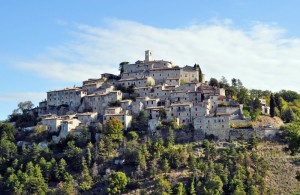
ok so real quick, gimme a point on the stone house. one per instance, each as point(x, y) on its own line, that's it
point(126, 104)
point(151, 102)
point(91, 87)
point(87, 117)
point(142, 91)
point(189, 74)
point(52, 123)
point(124, 117)
point(265, 109)
point(67, 125)
point(98, 102)
point(138, 82)
point(69, 96)
point(181, 111)
point(179, 96)
point(216, 125)
point(172, 81)
point(153, 112)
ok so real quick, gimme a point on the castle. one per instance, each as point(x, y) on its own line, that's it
point(150, 85)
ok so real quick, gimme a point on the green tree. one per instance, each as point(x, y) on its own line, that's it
point(253, 190)
point(192, 162)
point(281, 104)
point(214, 186)
point(272, 105)
point(253, 142)
point(9, 130)
point(165, 166)
point(46, 168)
point(163, 186)
point(243, 95)
point(88, 157)
point(141, 160)
point(13, 185)
point(162, 113)
point(62, 165)
point(132, 135)
point(289, 95)
point(73, 153)
point(117, 182)
point(288, 115)
point(66, 187)
point(223, 83)
point(114, 129)
point(179, 189)
point(86, 179)
point(292, 136)
point(231, 91)
point(171, 138)
point(192, 190)
point(35, 182)
point(8, 149)
point(234, 82)
point(213, 82)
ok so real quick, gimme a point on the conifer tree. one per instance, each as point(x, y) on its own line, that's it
point(165, 166)
point(86, 179)
point(272, 105)
point(192, 190)
point(171, 138)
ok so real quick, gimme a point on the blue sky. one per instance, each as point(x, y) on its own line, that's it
point(46, 45)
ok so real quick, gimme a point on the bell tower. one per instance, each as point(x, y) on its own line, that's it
point(148, 56)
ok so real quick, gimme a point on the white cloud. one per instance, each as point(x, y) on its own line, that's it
point(262, 57)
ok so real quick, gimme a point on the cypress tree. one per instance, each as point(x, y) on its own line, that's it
point(272, 105)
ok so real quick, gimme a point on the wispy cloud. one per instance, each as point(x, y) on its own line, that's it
point(261, 56)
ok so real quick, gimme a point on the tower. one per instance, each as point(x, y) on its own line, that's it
point(148, 56)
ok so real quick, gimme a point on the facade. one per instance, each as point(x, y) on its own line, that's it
point(68, 96)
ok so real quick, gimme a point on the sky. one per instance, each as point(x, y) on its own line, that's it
point(48, 45)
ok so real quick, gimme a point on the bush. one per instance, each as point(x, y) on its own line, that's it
point(242, 126)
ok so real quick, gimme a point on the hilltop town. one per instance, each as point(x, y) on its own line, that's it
point(165, 91)
point(156, 128)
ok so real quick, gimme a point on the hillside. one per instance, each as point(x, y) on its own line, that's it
point(276, 122)
point(281, 177)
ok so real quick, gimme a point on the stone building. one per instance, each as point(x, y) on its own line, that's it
point(217, 125)
point(138, 82)
point(68, 96)
point(117, 112)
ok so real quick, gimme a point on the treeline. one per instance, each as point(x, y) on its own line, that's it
point(284, 104)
